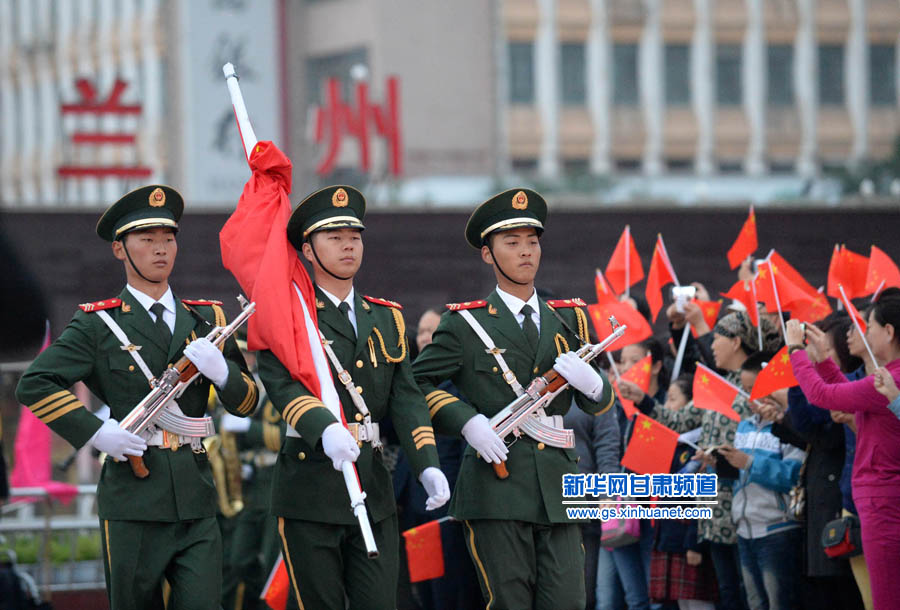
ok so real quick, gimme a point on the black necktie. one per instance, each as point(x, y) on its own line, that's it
point(528, 327)
point(161, 326)
point(344, 308)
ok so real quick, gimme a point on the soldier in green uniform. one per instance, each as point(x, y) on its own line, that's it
point(162, 526)
point(321, 540)
point(526, 552)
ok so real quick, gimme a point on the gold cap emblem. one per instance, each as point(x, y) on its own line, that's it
point(340, 199)
point(157, 198)
point(520, 201)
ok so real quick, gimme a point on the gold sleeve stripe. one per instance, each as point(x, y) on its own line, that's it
point(423, 433)
point(422, 429)
point(62, 411)
point(422, 437)
point(436, 396)
point(440, 405)
point(50, 398)
point(612, 401)
point(301, 412)
point(296, 404)
point(424, 442)
point(250, 398)
point(271, 437)
point(66, 399)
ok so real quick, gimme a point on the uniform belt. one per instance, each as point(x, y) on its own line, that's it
point(366, 433)
point(169, 440)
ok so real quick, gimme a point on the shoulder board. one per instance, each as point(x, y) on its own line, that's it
point(466, 305)
point(557, 303)
point(200, 302)
point(98, 305)
point(384, 302)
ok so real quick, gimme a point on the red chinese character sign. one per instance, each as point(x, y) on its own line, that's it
point(337, 118)
point(111, 106)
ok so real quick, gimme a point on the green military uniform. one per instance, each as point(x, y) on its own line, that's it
point(322, 544)
point(164, 524)
point(526, 552)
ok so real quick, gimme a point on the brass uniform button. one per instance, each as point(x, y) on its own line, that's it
point(359, 364)
point(535, 369)
point(360, 444)
point(359, 417)
point(359, 389)
point(130, 367)
point(301, 455)
point(495, 369)
point(541, 446)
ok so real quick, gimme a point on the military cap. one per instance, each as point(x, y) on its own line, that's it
point(333, 207)
point(512, 209)
point(145, 208)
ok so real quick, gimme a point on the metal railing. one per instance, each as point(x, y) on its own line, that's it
point(40, 519)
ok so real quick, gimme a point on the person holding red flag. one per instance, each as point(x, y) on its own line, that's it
point(876, 482)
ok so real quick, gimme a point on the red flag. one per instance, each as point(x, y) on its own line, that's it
point(604, 293)
point(786, 269)
point(848, 269)
point(277, 588)
point(743, 292)
point(256, 250)
point(651, 447)
point(783, 293)
point(812, 310)
point(627, 405)
point(32, 466)
point(659, 275)
point(637, 329)
point(424, 552)
point(624, 256)
point(776, 375)
point(881, 269)
point(746, 242)
point(714, 392)
point(710, 311)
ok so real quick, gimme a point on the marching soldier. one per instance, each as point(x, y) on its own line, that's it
point(161, 526)
point(526, 552)
point(321, 540)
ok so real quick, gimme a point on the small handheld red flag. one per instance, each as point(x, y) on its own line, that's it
point(710, 311)
point(776, 375)
point(637, 327)
point(746, 242)
point(604, 292)
point(624, 268)
point(651, 447)
point(424, 552)
point(744, 293)
point(713, 392)
point(638, 374)
point(275, 591)
point(882, 272)
point(848, 269)
point(659, 275)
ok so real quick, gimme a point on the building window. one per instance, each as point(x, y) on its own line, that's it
point(678, 75)
point(625, 78)
point(319, 69)
point(831, 74)
point(882, 75)
point(728, 74)
point(572, 73)
point(521, 73)
point(780, 70)
point(524, 166)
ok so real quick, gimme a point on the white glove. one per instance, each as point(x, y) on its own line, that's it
point(436, 486)
point(580, 375)
point(339, 445)
point(117, 442)
point(233, 423)
point(208, 360)
point(484, 440)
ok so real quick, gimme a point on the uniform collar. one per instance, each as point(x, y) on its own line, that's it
point(515, 304)
point(167, 299)
point(336, 301)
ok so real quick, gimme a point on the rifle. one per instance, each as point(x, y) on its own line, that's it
point(152, 412)
point(515, 418)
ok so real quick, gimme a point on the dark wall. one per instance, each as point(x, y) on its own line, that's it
point(421, 260)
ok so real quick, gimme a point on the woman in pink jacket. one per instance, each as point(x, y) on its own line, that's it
point(876, 468)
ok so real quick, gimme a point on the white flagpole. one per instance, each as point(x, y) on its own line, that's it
point(248, 137)
point(777, 300)
point(627, 261)
point(862, 335)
